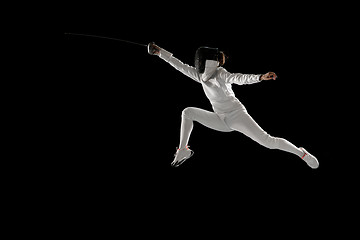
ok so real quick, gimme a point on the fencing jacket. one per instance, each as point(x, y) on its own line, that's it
point(218, 88)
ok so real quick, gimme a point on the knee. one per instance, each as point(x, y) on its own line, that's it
point(187, 113)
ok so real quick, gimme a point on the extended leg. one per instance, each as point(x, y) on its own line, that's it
point(241, 121)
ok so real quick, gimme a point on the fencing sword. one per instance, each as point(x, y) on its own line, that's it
point(150, 47)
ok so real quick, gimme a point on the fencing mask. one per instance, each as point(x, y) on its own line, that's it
point(206, 61)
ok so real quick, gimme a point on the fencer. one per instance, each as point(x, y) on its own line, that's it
point(229, 113)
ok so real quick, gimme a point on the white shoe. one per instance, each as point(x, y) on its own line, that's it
point(310, 159)
point(181, 156)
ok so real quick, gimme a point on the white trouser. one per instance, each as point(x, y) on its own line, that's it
point(238, 120)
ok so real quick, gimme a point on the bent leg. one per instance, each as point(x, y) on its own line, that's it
point(206, 118)
point(241, 121)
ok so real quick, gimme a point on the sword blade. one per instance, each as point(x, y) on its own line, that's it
point(103, 37)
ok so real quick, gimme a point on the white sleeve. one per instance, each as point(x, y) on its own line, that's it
point(178, 65)
point(239, 78)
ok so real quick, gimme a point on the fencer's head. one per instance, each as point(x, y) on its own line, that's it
point(207, 60)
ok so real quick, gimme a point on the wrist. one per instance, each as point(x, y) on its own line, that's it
point(165, 55)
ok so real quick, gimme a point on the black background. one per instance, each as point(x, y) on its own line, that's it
point(124, 109)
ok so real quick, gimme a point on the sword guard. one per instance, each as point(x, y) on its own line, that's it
point(153, 49)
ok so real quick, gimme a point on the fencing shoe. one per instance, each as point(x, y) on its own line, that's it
point(310, 159)
point(181, 155)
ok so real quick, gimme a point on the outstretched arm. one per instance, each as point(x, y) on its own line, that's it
point(176, 63)
point(240, 79)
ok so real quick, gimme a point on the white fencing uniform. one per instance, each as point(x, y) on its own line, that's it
point(229, 113)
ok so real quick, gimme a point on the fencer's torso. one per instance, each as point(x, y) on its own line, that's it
point(220, 93)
